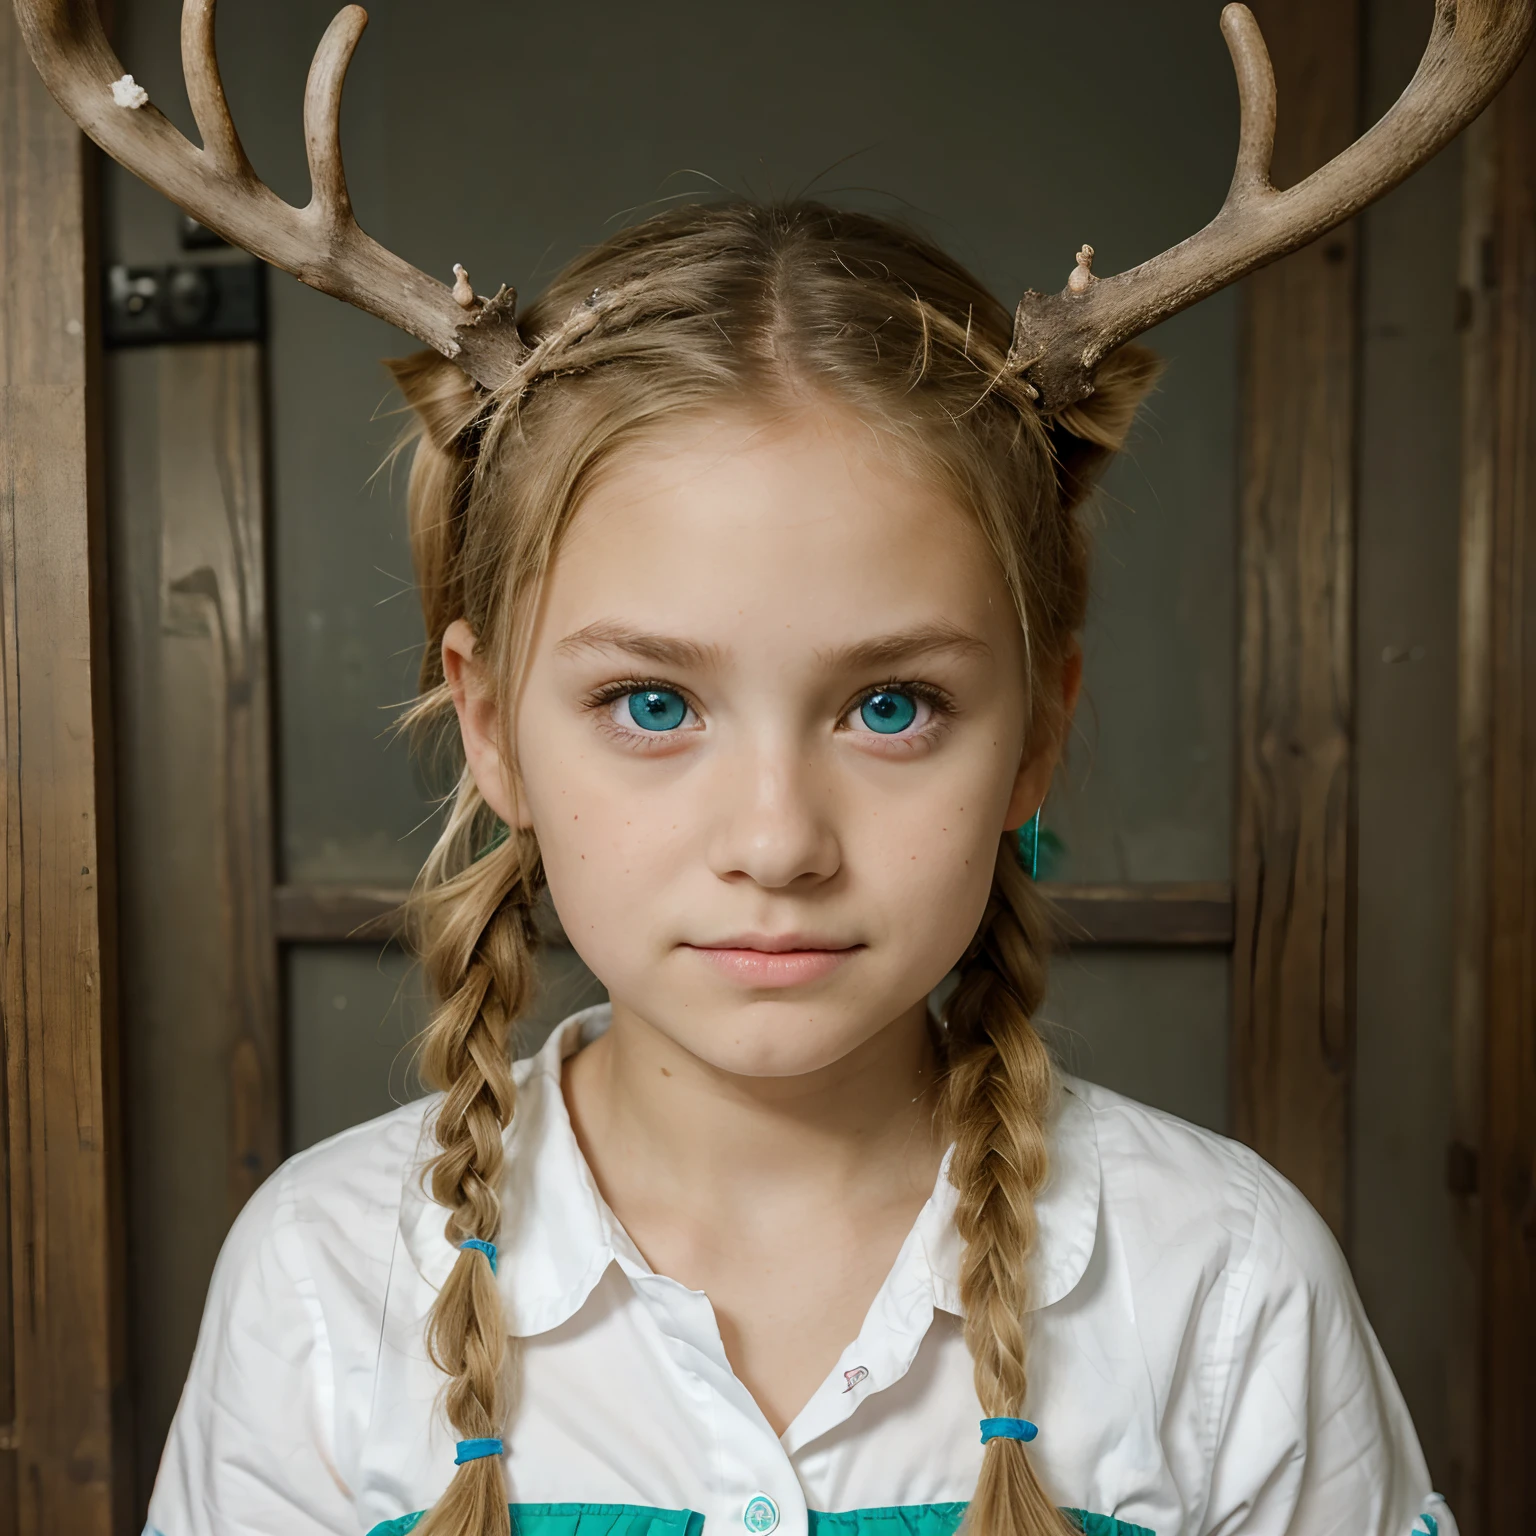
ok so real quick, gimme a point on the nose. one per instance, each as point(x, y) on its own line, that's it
point(774, 825)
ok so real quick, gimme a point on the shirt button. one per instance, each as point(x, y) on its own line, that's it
point(761, 1515)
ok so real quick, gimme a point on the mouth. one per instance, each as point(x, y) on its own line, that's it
point(775, 960)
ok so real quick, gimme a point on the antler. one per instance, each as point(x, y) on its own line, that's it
point(1060, 339)
point(321, 243)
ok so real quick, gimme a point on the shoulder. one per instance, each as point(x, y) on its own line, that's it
point(332, 1212)
point(1168, 1186)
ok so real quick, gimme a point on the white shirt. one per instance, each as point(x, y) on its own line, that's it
point(1199, 1363)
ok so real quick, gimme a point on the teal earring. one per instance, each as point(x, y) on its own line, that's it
point(498, 837)
point(1029, 845)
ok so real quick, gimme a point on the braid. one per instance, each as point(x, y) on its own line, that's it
point(476, 936)
point(997, 1095)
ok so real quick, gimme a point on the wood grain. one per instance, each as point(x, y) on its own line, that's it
point(64, 1466)
point(201, 995)
point(1294, 857)
point(1507, 1157)
point(1152, 914)
point(1469, 943)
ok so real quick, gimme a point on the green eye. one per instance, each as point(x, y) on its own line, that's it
point(657, 709)
point(888, 713)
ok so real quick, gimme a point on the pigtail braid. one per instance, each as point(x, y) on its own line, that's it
point(997, 1097)
point(475, 932)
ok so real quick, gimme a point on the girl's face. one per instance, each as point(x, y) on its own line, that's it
point(771, 729)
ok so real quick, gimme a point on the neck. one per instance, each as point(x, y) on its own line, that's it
point(649, 1113)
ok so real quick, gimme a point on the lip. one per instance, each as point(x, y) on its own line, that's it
point(775, 960)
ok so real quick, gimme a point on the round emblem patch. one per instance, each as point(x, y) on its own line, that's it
point(761, 1515)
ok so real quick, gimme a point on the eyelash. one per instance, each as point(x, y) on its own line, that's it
point(600, 698)
point(936, 698)
point(940, 704)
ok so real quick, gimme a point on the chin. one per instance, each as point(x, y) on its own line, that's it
point(779, 1037)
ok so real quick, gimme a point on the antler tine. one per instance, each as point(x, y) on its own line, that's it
point(322, 115)
point(1474, 46)
point(205, 91)
point(321, 244)
point(1256, 102)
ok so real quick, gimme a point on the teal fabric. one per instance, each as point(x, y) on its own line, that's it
point(578, 1520)
point(942, 1520)
point(638, 1520)
point(897, 1520)
point(1106, 1525)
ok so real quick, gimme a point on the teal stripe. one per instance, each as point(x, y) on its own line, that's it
point(641, 1520)
point(578, 1520)
point(893, 1520)
point(942, 1520)
point(1105, 1525)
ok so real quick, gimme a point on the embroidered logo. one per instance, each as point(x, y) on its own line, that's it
point(854, 1377)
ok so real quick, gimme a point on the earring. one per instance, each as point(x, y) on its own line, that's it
point(498, 837)
point(1029, 845)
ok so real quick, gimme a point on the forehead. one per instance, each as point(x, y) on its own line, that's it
point(807, 528)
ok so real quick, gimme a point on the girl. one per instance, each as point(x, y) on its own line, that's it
point(752, 598)
point(751, 561)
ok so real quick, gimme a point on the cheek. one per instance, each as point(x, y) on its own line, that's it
point(606, 849)
point(928, 861)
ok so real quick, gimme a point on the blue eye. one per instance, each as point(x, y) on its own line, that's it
point(657, 709)
point(888, 713)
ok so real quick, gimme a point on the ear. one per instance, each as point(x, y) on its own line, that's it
point(1037, 771)
point(1086, 436)
point(479, 711)
point(439, 392)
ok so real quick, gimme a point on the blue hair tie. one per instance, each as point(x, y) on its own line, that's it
point(481, 1246)
point(1007, 1429)
point(473, 1450)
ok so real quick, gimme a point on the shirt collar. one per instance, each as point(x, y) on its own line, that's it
point(1066, 1213)
point(554, 1243)
point(558, 1236)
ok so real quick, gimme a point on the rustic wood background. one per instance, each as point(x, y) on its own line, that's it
point(207, 908)
point(63, 1382)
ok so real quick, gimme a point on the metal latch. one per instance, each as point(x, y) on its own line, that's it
point(205, 301)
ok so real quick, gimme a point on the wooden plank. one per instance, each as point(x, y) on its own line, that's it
point(1170, 914)
point(1469, 976)
point(191, 644)
point(66, 1467)
point(1508, 1152)
point(337, 914)
point(1173, 913)
point(1292, 983)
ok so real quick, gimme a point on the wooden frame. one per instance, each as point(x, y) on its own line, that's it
point(1492, 1166)
point(200, 966)
point(62, 1373)
point(1293, 983)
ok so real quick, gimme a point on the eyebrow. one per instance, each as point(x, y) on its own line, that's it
point(663, 650)
point(880, 651)
point(905, 645)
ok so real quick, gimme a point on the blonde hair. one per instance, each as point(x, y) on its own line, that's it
point(776, 308)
